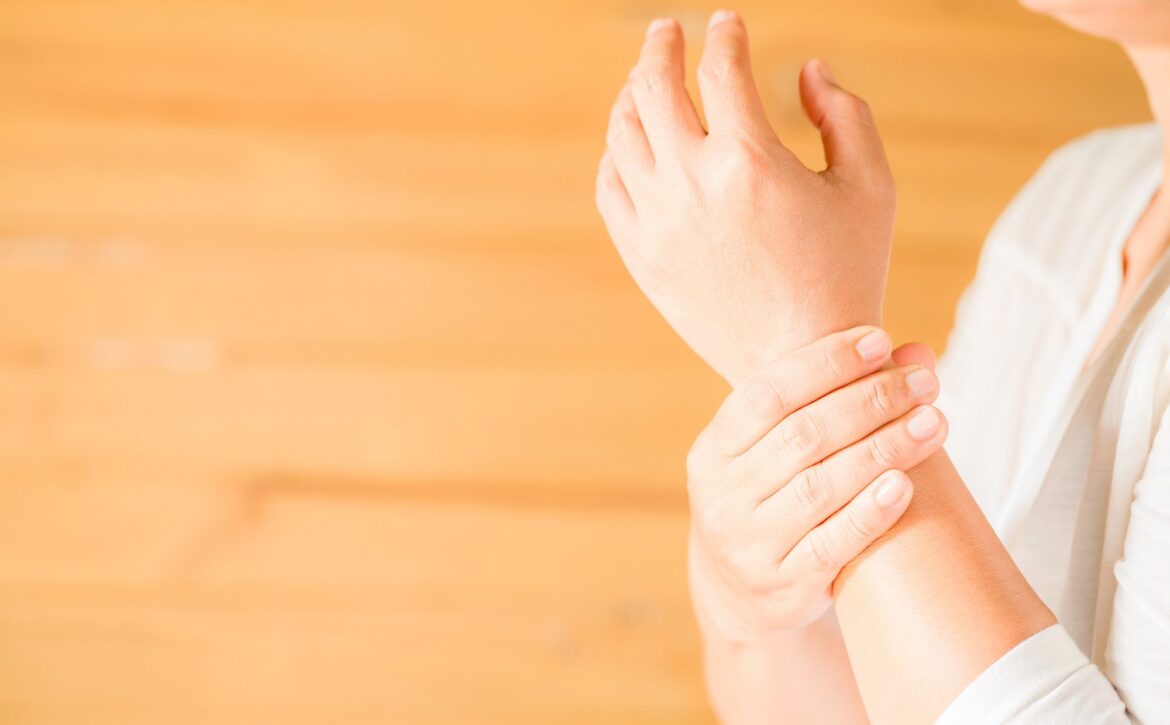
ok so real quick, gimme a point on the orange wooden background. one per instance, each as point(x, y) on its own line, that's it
point(323, 398)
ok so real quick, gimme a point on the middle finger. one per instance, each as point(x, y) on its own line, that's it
point(660, 93)
point(836, 421)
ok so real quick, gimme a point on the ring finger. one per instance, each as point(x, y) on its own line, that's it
point(837, 420)
point(627, 143)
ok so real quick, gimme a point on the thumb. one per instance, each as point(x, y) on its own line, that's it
point(914, 353)
point(852, 144)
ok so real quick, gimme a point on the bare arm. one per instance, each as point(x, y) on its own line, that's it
point(800, 675)
point(934, 603)
point(923, 611)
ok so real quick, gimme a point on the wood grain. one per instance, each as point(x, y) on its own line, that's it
point(323, 397)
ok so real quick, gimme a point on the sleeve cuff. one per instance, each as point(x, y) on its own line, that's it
point(1044, 679)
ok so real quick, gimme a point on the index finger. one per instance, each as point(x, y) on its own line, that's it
point(806, 375)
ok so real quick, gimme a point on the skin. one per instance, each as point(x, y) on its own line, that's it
point(1151, 236)
point(1142, 28)
point(724, 230)
point(777, 512)
point(1131, 23)
point(936, 599)
point(783, 482)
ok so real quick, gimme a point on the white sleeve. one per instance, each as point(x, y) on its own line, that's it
point(1044, 679)
point(1137, 653)
point(977, 322)
point(1047, 679)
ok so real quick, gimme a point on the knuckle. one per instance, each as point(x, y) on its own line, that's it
point(880, 398)
point(610, 184)
point(799, 434)
point(719, 67)
point(615, 135)
point(709, 519)
point(747, 152)
point(884, 452)
point(739, 168)
point(820, 552)
point(831, 361)
point(767, 393)
point(621, 125)
point(650, 78)
point(607, 181)
point(856, 526)
point(810, 489)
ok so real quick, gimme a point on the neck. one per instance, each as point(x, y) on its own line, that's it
point(1151, 238)
point(1153, 65)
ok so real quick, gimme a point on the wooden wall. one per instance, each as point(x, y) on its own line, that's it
point(323, 397)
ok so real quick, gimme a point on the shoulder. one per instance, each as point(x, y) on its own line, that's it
point(1064, 227)
point(1120, 150)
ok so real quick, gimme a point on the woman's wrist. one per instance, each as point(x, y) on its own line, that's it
point(792, 332)
point(935, 602)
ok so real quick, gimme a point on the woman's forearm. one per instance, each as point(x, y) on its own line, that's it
point(922, 612)
point(801, 675)
point(777, 513)
point(932, 604)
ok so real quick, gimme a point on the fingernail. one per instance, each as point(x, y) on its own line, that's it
point(921, 382)
point(874, 346)
point(890, 491)
point(826, 73)
point(923, 424)
point(658, 24)
point(721, 16)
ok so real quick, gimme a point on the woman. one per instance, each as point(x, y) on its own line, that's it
point(1026, 582)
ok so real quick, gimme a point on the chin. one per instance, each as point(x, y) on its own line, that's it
point(1129, 22)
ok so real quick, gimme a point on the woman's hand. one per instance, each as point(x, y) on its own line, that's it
point(745, 251)
point(800, 470)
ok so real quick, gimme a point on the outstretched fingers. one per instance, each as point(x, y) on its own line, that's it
point(626, 142)
point(731, 100)
point(659, 92)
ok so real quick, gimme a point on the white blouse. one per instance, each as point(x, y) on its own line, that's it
point(1071, 465)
